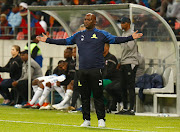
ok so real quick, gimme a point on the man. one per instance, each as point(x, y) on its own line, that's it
point(22, 83)
point(128, 67)
point(90, 44)
point(111, 81)
point(76, 93)
point(35, 50)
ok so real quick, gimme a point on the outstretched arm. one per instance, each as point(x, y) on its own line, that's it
point(135, 35)
point(45, 38)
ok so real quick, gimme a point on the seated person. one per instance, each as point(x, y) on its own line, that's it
point(21, 85)
point(65, 103)
point(14, 67)
point(111, 79)
point(40, 83)
point(46, 84)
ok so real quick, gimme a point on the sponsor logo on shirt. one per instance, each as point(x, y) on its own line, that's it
point(94, 36)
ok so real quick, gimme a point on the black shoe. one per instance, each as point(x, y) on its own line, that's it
point(129, 112)
point(122, 112)
point(37, 106)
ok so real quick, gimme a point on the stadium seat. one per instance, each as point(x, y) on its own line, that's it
point(60, 35)
point(54, 35)
point(159, 70)
point(20, 36)
point(168, 83)
point(65, 35)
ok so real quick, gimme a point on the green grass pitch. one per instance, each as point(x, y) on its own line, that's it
point(31, 120)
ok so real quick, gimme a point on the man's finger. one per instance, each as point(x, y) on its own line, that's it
point(136, 31)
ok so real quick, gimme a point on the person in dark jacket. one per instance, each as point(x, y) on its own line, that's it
point(14, 67)
point(90, 43)
point(111, 81)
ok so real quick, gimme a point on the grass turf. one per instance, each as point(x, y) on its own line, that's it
point(18, 120)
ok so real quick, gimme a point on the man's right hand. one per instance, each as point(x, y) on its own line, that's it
point(43, 38)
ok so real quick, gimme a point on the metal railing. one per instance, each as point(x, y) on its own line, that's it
point(150, 34)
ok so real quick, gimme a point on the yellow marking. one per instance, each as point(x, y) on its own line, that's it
point(79, 84)
point(94, 36)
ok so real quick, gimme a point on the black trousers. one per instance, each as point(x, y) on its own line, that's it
point(91, 80)
point(76, 92)
point(114, 89)
point(128, 84)
point(22, 89)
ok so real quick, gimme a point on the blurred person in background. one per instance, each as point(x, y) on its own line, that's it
point(6, 9)
point(14, 18)
point(35, 50)
point(35, 25)
point(5, 28)
point(14, 67)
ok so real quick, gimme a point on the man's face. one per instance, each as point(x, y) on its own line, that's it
point(15, 9)
point(124, 25)
point(89, 23)
point(60, 66)
point(24, 57)
point(67, 53)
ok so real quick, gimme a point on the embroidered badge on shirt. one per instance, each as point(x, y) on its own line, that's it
point(94, 36)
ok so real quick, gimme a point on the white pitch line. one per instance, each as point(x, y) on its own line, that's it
point(165, 127)
point(72, 125)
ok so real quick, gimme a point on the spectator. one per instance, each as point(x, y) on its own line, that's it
point(163, 7)
point(5, 28)
point(21, 85)
point(35, 50)
point(34, 22)
point(14, 67)
point(40, 18)
point(6, 9)
point(14, 18)
point(128, 68)
point(173, 9)
point(38, 3)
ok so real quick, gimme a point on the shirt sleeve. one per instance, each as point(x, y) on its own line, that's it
point(111, 39)
point(67, 41)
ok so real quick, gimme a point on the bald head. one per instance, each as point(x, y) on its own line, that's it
point(90, 21)
point(92, 16)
